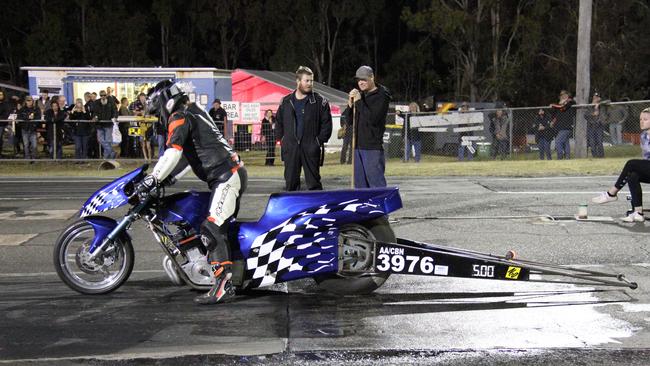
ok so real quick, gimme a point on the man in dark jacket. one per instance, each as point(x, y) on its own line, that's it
point(563, 120)
point(541, 127)
point(89, 106)
point(370, 105)
point(500, 125)
point(596, 117)
point(81, 130)
point(105, 111)
point(303, 124)
point(27, 115)
point(5, 110)
point(219, 115)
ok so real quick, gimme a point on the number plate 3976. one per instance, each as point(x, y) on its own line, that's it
point(396, 259)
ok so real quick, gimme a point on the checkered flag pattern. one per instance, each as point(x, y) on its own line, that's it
point(94, 205)
point(301, 246)
point(104, 201)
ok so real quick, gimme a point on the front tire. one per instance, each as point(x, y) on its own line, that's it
point(350, 283)
point(101, 276)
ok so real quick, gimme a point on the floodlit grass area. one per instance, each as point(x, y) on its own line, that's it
point(509, 168)
point(521, 165)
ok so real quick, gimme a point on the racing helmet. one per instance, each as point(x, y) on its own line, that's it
point(165, 98)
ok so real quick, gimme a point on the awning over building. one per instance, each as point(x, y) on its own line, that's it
point(118, 76)
point(203, 83)
point(13, 88)
point(268, 88)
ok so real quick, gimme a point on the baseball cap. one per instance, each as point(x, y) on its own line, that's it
point(216, 101)
point(364, 72)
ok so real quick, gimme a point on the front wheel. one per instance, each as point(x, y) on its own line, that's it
point(102, 275)
point(359, 256)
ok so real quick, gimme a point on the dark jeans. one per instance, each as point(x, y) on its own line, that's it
point(544, 145)
point(59, 147)
point(2, 132)
point(417, 149)
point(563, 145)
point(125, 152)
point(595, 138)
point(93, 144)
point(29, 144)
point(105, 138)
point(369, 168)
point(81, 147)
point(18, 138)
point(270, 153)
point(635, 172)
point(502, 148)
point(464, 151)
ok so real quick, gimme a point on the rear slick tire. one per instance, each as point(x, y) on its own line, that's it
point(360, 284)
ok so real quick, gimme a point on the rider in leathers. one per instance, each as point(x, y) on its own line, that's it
point(194, 141)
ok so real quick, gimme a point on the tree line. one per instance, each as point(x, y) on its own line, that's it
point(519, 51)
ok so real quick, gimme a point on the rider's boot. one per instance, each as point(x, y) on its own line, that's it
point(222, 290)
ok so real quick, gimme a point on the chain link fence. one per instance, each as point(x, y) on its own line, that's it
point(609, 128)
point(80, 140)
point(128, 138)
point(472, 134)
point(513, 133)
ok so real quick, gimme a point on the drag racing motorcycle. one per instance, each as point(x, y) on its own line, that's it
point(342, 239)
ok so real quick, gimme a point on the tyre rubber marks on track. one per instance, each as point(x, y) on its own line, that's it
point(15, 239)
point(37, 215)
point(30, 215)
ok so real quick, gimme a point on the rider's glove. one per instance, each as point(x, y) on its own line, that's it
point(145, 186)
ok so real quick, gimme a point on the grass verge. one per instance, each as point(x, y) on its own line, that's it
point(394, 167)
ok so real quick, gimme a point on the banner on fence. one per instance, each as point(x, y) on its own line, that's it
point(250, 112)
point(232, 108)
point(447, 119)
point(402, 108)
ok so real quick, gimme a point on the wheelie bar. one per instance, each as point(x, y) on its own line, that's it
point(411, 257)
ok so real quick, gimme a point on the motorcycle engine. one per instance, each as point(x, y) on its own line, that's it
point(192, 255)
point(197, 268)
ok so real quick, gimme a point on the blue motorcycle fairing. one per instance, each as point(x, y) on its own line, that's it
point(190, 206)
point(102, 227)
point(109, 196)
point(287, 204)
point(306, 244)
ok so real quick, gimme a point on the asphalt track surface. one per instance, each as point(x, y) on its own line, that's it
point(411, 319)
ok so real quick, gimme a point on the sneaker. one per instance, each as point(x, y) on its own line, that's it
point(633, 217)
point(221, 291)
point(604, 198)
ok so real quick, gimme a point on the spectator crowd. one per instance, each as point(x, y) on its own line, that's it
point(91, 124)
point(503, 129)
point(40, 127)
